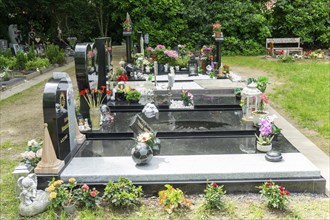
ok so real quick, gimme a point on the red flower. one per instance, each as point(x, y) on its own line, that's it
point(103, 87)
point(108, 92)
point(214, 185)
point(268, 184)
point(82, 92)
point(122, 77)
point(93, 193)
point(282, 193)
point(287, 192)
point(211, 57)
point(281, 188)
point(85, 187)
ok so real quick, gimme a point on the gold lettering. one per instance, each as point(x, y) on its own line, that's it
point(65, 127)
point(64, 138)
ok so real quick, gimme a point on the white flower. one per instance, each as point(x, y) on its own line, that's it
point(39, 153)
point(24, 155)
point(32, 143)
point(144, 137)
point(30, 155)
point(271, 118)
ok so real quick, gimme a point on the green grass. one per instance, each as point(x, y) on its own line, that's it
point(305, 92)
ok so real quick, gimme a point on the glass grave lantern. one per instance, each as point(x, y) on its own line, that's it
point(192, 67)
point(249, 100)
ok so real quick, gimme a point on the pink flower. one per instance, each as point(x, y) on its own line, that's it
point(144, 137)
point(93, 193)
point(85, 187)
point(159, 46)
point(263, 98)
point(90, 54)
point(171, 53)
point(150, 48)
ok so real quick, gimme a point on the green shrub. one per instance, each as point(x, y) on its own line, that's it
point(277, 196)
point(4, 76)
point(37, 62)
point(21, 59)
point(55, 54)
point(172, 198)
point(7, 62)
point(7, 53)
point(123, 193)
point(213, 196)
point(287, 59)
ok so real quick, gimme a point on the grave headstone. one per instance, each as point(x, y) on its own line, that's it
point(81, 67)
point(102, 60)
point(3, 44)
point(59, 114)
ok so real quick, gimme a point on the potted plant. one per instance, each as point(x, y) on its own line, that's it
point(262, 83)
point(260, 113)
point(150, 139)
point(187, 98)
point(217, 29)
point(133, 96)
point(264, 140)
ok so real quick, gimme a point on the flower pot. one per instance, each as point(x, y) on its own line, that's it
point(70, 209)
point(217, 34)
point(264, 148)
point(94, 115)
point(142, 153)
point(257, 116)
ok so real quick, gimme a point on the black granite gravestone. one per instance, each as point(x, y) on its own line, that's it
point(81, 67)
point(100, 44)
point(57, 100)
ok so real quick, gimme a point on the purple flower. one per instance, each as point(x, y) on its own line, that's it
point(265, 127)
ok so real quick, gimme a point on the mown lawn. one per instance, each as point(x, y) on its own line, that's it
point(305, 94)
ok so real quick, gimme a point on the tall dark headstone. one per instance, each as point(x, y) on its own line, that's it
point(218, 41)
point(59, 113)
point(81, 67)
point(138, 44)
point(102, 57)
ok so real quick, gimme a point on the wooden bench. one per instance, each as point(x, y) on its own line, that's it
point(286, 44)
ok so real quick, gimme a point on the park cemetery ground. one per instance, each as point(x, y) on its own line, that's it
point(21, 120)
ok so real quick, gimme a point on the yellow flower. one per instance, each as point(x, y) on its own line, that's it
point(58, 182)
point(127, 89)
point(53, 195)
point(72, 180)
point(51, 188)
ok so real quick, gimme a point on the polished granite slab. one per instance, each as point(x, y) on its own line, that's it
point(182, 121)
point(183, 146)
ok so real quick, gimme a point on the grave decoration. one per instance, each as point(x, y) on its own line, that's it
point(32, 201)
point(145, 135)
point(193, 67)
point(264, 140)
point(249, 101)
point(127, 32)
point(186, 102)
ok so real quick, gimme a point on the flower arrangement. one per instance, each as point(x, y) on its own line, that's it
point(266, 133)
point(277, 196)
point(32, 154)
point(206, 53)
point(171, 56)
point(95, 97)
point(158, 54)
point(216, 27)
point(172, 198)
point(213, 196)
point(187, 97)
point(133, 95)
point(263, 100)
point(122, 78)
point(90, 56)
point(127, 26)
point(150, 139)
point(62, 194)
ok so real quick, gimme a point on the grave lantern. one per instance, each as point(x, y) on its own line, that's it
point(249, 101)
point(193, 66)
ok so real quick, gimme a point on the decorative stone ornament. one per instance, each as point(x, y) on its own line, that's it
point(273, 156)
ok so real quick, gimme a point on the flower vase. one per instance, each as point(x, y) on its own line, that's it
point(264, 148)
point(142, 153)
point(94, 114)
point(70, 209)
point(257, 116)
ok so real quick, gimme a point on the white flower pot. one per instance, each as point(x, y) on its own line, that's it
point(264, 148)
point(257, 116)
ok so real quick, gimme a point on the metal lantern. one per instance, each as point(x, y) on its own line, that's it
point(250, 100)
point(193, 67)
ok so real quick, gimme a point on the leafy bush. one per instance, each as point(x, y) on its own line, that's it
point(123, 193)
point(55, 54)
point(7, 53)
point(37, 62)
point(172, 198)
point(21, 59)
point(7, 62)
point(287, 59)
point(213, 196)
point(4, 76)
point(87, 197)
point(277, 196)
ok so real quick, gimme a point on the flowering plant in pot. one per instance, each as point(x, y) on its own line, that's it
point(171, 56)
point(32, 154)
point(62, 194)
point(264, 140)
point(133, 96)
point(187, 98)
point(260, 112)
point(87, 197)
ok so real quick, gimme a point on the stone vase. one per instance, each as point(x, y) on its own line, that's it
point(257, 116)
point(94, 115)
point(142, 153)
point(264, 148)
